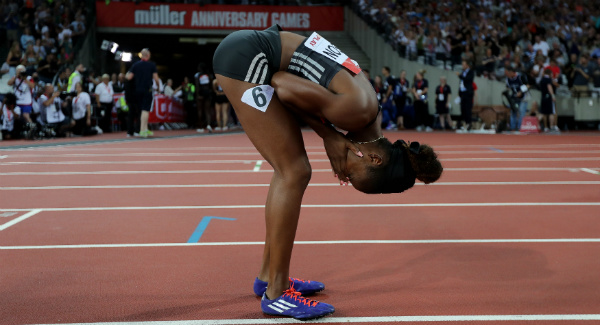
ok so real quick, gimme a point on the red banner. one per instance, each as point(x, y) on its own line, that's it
point(191, 16)
point(164, 109)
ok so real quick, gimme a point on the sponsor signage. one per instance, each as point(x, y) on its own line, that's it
point(189, 16)
point(164, 109)
point(530, 124)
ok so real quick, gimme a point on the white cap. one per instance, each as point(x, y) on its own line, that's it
point(20, 68)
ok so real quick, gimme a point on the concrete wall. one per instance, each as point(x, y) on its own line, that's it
point(489, 92)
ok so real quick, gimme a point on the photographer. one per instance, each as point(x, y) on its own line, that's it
point(519, 96)
point(9, 115)
point(51, 105)
point(23, 87)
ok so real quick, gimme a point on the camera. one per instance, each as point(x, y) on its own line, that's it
point(63, 95)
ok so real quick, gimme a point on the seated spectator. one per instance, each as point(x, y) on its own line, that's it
point(9, 115)
point(30, 60)
point(27, 38)
point(169, 88)
point(52, 106)
point(489, 64)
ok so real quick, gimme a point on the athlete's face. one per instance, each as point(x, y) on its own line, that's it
point(357, 167)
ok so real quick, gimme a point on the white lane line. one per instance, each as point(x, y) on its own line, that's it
point(227, 171)
point(225, 161)
point(157, 186)
point(316, 242)
point(255, 153)
point(257, 166)
point(3, 157)
point(591, 171)
point(352, 206)
point(19, 219)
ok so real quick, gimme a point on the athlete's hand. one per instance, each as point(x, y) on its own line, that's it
point(337, 146)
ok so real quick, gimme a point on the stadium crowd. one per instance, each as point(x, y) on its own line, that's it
point(528, 36)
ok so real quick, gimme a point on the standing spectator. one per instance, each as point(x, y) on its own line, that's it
point(581, 77)
point(442, 108)
point(519, 92)
point(401, 89)
point(548, 102)
point(368, 76)
point(596, 76)
point(379, 88)
point(204, 90)
point(14, 58)
point(119, 86)
point(75, 77)
point(188, 94)
point(52, 107)
point(221, 107)
point(387, 102)
point(466, 94)
point(23, 88)
point(104, 100)
point(419, 91)
point(11, 126)
point(144, 72)
point(82, 112)
point(12, 26)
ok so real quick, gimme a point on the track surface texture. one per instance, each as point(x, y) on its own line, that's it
point(170, 231)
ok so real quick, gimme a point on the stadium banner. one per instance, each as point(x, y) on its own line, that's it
point(164, 109)
point(193, 16)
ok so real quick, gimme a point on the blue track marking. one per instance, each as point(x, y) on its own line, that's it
point(496, 149)
point(195, 237)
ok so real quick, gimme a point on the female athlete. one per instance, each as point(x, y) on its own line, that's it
point(269, 77)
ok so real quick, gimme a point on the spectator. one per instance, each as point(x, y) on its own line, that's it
point(204, 91)
point(11, 126)
point(489, 64)
point(119, 86)
point(541, 45)
point(169, 88)
point(442, 105)
point(104, 100)
point(548, 102)
point(27, 39)
point(387, 102)
point(401, 90)
point(188, 95)
point(144, 72)
point(14, 58)
point(419, 92)
point(596, 76)
point(12, 26)
point(581, 77)
point(519, 95)
point(30, 60)
point(82, 113)
point(368, 76)
point(22, 88)
point(466, 93)
point(221, 107)
point(52, 106)
point(379, 88)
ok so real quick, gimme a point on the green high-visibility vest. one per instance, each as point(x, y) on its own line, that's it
point(123, 103)
point(71, 77)
point(190, 89)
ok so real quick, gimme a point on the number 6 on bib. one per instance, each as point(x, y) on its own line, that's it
point(259, 97)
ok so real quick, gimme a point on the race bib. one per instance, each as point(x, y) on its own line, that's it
point(523, 88)
point(441, 97)
point(259, 97)
point(322, 46)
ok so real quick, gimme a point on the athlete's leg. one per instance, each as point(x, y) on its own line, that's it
point(291, 175)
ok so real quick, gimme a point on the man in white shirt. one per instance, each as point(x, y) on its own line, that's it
point(169, 88)
point(104, 99)
point(540, 44)
point(82, 112)
point(22, 88)
point(51, 105)
point(9, 114)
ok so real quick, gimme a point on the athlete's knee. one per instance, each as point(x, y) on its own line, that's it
point(298, 173)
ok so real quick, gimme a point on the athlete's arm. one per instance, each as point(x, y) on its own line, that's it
point(345, 110)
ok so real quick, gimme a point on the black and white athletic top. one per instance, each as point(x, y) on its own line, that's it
point(319, 61)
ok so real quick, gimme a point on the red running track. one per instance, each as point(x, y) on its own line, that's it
point(98, 232)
